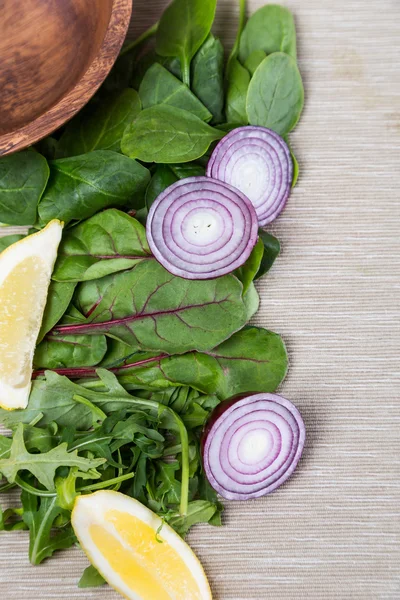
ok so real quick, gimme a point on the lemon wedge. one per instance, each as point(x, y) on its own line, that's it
point(25, 272)
point(119, 536)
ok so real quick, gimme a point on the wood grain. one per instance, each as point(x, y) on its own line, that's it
point(332, 532)
point(54, 56)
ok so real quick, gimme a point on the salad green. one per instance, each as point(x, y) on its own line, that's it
point(131, 360)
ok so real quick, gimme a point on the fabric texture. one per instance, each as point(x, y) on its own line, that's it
point(332, 532)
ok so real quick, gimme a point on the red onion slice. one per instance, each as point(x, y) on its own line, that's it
point(256, 161)
point(199, 228)
point(251, 445)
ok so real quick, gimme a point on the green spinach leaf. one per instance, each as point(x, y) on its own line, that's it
point(101, 127)
point(108, 242)
point(166, 134)
point(162, 178)
point(237, 80)
point(83, 185)
point(275, 96)
point(59, 296)
point(270, 29)
point(208, 77)
point(272, 248)
point(70, 351)
point(251, 301)
point(151, 309)
point(152, 371)
point(159, 86)
point(254, 60)
point(253, 359)
point(23, 179)
point(10, 239)
point(247, 272)
point(182, 29)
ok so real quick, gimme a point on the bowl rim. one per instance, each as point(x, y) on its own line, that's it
point(63, 110)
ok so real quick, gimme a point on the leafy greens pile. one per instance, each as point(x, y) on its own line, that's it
point(130, 359)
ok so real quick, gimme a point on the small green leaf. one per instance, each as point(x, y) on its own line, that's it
point(162, 178)
point(23, 179)
point(272, 248)
point(159, 86)
point(101, 127)
point(208, 77)
point(42, 466)
point(199, 511)
point(248, 271)
point(39, 516)
point(91, 578)
point(108, 242)
point(166, 134)
point(81, 186)
point(238, 79)
point(254, 60)
point(7, 240)
point(270, 29)
point(252, 356)
point(182, 29)
point(59, 296)
point(275, 96)
point(70, 351)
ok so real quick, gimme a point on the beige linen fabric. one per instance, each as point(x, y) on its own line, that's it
point(333, 531)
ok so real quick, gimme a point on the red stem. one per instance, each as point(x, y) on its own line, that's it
point(83, 372)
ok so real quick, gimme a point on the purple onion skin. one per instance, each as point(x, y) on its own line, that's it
point(216, 414)
point(266, 213)
point(214, 263)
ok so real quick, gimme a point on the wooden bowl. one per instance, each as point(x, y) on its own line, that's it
point(54, 54)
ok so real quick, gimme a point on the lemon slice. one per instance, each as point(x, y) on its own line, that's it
point(119, 536)
point(25, 271)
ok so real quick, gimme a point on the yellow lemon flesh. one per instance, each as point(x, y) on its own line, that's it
point(120, 537)
point(25, 272)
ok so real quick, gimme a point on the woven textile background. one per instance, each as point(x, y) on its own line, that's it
point(333, 531)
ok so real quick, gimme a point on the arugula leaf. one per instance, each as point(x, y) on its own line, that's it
point(5, 446)
point(91, 578)
point(166, 134)
point(101, 127)
point(43, 466)
point(253, 359)
point(208, 77)
point(272, 248)
point(108, 242)
point(275, 96)
point(182, 29)
point(39, 516)
point(11, 519)
point(59, 296)
point(150, 309)
point(270, 29)
point(70, 351)
point(199, 511)
point(247, 272)
point(81, 186)
point(159, 86)
point(23, 179)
